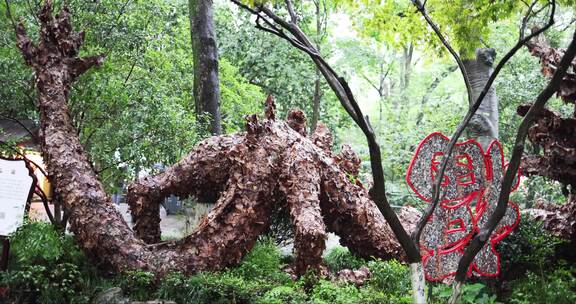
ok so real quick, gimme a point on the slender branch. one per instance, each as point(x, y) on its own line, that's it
point(34, 137)
point(293, 16)
point(347, 99)
point(447, 45)
point(526, 19)
point(483, 236)
point(44, 198)
point(471, 111)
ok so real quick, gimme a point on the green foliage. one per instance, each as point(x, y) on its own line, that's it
point(263, 262)
point(35, 243)
point(391, 276)
point(557, 286)
point(286, 73)
point(471, 294)
point(341, 258)
point(62, 275)
point(326, 292)
point(283, 294)
point(138, 284)
point(136, 110)
point(528, 245)
point(48, 268)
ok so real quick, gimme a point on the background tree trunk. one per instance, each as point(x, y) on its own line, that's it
point(320, 32)
point(206, 81)
point(484, 124)
point(270, 164)
point(407, 54)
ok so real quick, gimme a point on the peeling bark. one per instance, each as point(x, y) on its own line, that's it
point(248, 174)
point(201, 173)
point(549, 60)
point(555, 135)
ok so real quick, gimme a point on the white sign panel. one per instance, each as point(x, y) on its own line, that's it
point(15, 184)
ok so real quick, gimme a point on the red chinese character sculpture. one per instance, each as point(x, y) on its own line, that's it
point(469, 194)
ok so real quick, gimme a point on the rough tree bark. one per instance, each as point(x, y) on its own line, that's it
point(484, 124)
point(554, 134)
point(249, 174)
point(206, 81)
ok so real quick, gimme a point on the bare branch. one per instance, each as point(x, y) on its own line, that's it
point(346, 98)
point(526, 19)
point(293, 16)
point(446, 44)
point(478, 242)
point(471, 111)
point(25, 44)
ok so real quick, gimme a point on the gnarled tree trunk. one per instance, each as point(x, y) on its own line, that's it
point(247, 175)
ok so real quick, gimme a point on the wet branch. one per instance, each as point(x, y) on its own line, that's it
point(338, 84)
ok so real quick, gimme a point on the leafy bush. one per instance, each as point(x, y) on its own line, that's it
point(173, 287)
point(36, 243)
point(558, 287)
point(391, 276)
point(283, 295)
point(138, 284)
point(263, 262)
point(224, 287)
point(326, 292)
point(475, 293)
point(529, 245)
point(46, 267)
point(341, 258)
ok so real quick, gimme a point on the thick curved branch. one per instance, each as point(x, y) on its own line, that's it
point(202, 173)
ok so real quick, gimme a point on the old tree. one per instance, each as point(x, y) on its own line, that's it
point(274, 164)
point(248, 175)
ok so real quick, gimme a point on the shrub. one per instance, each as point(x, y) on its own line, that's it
point(138, 284)
point(390, 276)
point(283, 295)
point(36, 243)
point(46, 267)
point(529, 245)
point(326, 292)
point(471, 294)
point(558, 287)
point(224, 287)
point(341, 258)
point(173, 287)
point(371, 295)
point(37, 283)
point(263, 262)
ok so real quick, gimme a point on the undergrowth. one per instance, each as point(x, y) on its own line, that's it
point(48, 268)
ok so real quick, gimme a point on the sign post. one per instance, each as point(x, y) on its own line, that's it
point(16, 189)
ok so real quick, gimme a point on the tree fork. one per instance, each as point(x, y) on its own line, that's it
point(246, 191)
